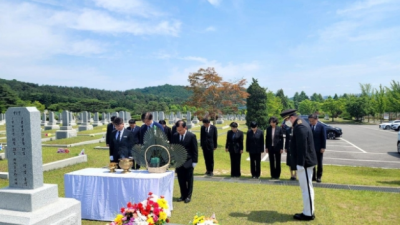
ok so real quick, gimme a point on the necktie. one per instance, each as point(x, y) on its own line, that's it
point(181, 139)
point(117, 137)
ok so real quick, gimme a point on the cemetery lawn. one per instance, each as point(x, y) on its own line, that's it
point(95, 130)
point(2, 127)
point(73, 140)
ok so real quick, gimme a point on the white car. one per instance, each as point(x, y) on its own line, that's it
point(398, 142)
point(388, 125)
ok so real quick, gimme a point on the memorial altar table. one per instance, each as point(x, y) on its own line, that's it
point(102, 194)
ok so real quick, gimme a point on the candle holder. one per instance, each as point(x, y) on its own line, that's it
point(125, 164)
point(112, 167)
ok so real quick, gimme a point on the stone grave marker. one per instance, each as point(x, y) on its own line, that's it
point(85, 122)
point(27, 200)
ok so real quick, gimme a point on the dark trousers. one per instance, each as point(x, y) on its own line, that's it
point(209, 159)
point(235, 163)
point(274, 162)
point(255, 160)
point(320, 167)
point(185, 179)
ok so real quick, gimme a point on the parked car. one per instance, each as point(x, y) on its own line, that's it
point(395, 125)
point(331, 131)
point(386, 126)
point(398, 142)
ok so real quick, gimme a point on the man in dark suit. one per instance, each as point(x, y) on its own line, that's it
point(255, 146)
point(302, 148)
point(274, 147)
point(185, 173)
point(148, 123)
point(167, 130)
point(121, 141)
point(234, 145)
point(135, 130)
point(319, 135)
point(110, 129)
point(208, 142)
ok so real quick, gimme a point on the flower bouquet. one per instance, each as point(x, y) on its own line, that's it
point(202, 220)
point(62, 150)
point(152, 211)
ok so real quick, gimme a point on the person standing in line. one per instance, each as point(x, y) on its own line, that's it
point(185, 172)
point(209, 143)
point(302, 148)
point(255, 146)
point(234, 145)
point(122, 141)
point(167, 130)
point(319, 135)
point(135, 130)
point(274, 147)
point(110, 129)
point(289, 160)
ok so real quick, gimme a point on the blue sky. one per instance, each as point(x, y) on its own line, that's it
point(318, 46)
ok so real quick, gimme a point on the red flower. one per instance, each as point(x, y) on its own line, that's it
point(129, 205)
point(150, 193)
point(161, 196)
point(122, 210)
point(167, 220)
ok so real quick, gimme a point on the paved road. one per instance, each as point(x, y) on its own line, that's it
point(361, 145)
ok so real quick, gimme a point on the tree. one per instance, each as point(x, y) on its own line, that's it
point(381, 101)
point(296, 100)
point(212, 94)
point(335, 97)
point(274, 105)
point(303, 96)
point(393, 94)
point(8, 98)
point(355, 106)
point(317, 98)
point(307, 107)
point(366, 93)
point(286, 103)
point(333, 107)
point(257, 105)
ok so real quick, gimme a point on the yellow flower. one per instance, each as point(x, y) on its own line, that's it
point(162, 203)
point(150, 220)
point(163, 216)
point(118, 219)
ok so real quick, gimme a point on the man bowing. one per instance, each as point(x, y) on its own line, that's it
point(185, 173)
point(208, 142)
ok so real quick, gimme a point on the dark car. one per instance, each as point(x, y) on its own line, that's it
point(331, 132)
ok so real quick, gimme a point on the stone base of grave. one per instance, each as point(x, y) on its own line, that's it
point(96, 124)
point(85, 127)
point(171, 122)
point(220, 121)
point(195, 121)
point(66, 133)
point(2, 122)
point(51, 127)
point(43, 124)
point(189, 126)
point(2, 155)
point(64, 211)
point(73, 124)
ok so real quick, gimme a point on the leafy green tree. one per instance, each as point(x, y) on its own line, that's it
point(8, 98)
point(257, 105)
point(356, 106)
point(316, 98)
point(274, 105)
point(381, 101)
point(393, 94)
point(335, 97)
point(333, 107)
point(367, 94)
point(286, 103)
point(307, 107)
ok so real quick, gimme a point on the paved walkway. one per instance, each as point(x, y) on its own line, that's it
point(296, 183)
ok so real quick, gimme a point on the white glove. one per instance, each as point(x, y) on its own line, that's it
point(194, 165)
point(111, 157)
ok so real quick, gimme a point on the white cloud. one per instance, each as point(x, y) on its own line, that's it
point(210, 29)
point(215, 2)
point(133, 7)
point(362, 6)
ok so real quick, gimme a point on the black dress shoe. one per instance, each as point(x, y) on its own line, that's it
point(301, 216)
point(187, 200)
point(211, 174)
point(314, 179)
point(318, 180)
point(206, 173)
point(293, 178)
point(180, 199)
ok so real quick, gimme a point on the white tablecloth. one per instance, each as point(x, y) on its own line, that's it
point(102, 194)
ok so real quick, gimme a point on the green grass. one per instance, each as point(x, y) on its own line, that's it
point(95, 130)
point(73, 140)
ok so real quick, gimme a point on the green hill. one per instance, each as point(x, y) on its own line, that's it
point(166, 90)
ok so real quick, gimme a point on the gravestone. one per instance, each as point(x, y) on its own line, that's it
point(2, 119)
point(90, 117)
point(44, 119)
point(104, 118)
point(122, 115)
point(79, 116)
point(60, 118)
point(52, 125)
point(96, 120)
point(116, 114)
point(189, 120)
point(171, 119)
point(72, 119)
point(85, 122)
point(220, 120)
point(66, 130)
point(195, 120)
point(178, 116)
point(155, 116)
point(27, 200)
point(128, 116)
point(109, 117)
point(161, 115)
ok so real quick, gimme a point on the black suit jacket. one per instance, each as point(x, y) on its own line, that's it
point(124, 145)
point(255, 142)
point(190, 144)
point(143, 130)
point(110, 128)
point(234, 143)
point(173, 130)
point(136, 134)
point(302, 144)
point(278, 138)
point(208, 140)
point(168, 133)
point(319, 135)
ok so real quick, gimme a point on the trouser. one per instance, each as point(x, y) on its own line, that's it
point(255, 167)
point(307, 190)
point(318, 172)
point(274, 156)
point(235, 163)
point(185, 180)
point(209, 159)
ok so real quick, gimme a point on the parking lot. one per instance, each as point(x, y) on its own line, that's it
point(361, 145)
